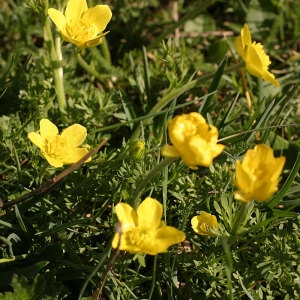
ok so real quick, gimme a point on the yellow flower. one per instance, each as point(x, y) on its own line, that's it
point(257, 176)
point(202, 222)
point(60, 149)
point(253, 54)
point(143, 231)
point(81, 25)
point(193, 139)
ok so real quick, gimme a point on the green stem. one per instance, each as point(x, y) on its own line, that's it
point(175, 92)
point(228, 266)
point(153, 277)
point(56, 64)
point(140, 188)
point(238, 221)
point(105, 51)
point(89, 68)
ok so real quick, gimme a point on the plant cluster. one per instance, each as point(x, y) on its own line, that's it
point(149, 149)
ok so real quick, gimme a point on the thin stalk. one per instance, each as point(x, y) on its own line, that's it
point(153, 277)
point(105, 51)
point(140, 188)
point(55, 54)
point(238, 221)
point(87, 67)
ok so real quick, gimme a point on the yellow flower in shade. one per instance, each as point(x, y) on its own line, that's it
point(193, 139)
point(257, 176)
point(253, 54)
point(143, 231)
point(81, 25)
point(202, 222)
point(60, 149)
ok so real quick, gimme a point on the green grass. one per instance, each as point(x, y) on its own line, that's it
point(160, 59)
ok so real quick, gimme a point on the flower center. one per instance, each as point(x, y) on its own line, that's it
point(141, 237)
point(57, 147)
point(81, 30)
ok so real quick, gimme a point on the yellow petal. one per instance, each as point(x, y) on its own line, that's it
point(169, 151)
point(100, 15)
point(126, 216)
point(238, 46)
point(55, 162)
point(264, 190)
point(37, 140)
point(257, 176)
point(204, 220)
point(246, 36)
point(74, 156)
point(149, 213)
point(47, 129)
point(165, 237)
point(95, 42)
point(75, 135)
point(75, 10)
point(115, 241)
point(58, 18)
point(243, 183)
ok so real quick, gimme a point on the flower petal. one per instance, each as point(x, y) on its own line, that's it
point(47, 129)
point(75, 155)
point(246, 36)
point(165, 237)
point(257, 176)
point(75, 10)
point(55, 162)
point(100, 15)
point(127, 216)
point(58, 18)
point(37, 140)
point(149, 213)
point(75, 135)
point(169, 151)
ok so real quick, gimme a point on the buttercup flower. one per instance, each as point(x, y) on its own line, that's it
point(143, 231)
point(202, 222)
point(257, 176)
point(253, 54)
point(193, 139)
point(60, 149)
point(81, 25)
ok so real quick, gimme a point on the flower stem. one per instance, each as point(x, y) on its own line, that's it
point(153, 277)
point(176, 92)
point(140, 188)
point(87, 67)
point(105, 51)
point(238, 220)
point(56, 64)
